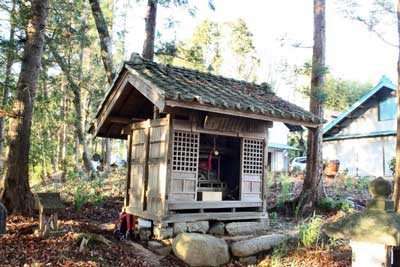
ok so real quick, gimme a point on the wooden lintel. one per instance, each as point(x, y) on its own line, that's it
point(199, 107)
point(213, 205)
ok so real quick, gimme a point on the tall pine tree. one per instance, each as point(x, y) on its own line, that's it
point(15, 192)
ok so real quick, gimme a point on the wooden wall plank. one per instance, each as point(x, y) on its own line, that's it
point(157, 165)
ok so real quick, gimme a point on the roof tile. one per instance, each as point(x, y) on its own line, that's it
point(191, 85)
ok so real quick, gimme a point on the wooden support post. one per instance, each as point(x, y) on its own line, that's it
point(265, 173)
point(156, 113)
point(42, 222)
point(128, 175)
point(55, 221)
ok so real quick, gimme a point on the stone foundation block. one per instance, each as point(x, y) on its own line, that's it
point(244, 228)
point(217, 229)
point(163, 233)
point(198, 227)
point(180, 228)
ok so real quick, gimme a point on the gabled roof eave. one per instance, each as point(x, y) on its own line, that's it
point(383, 83)
point(145, 87)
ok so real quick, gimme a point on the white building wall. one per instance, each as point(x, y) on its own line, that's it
point(279, 161)
point(363, 156)
point(278, 134)
point(369, 122)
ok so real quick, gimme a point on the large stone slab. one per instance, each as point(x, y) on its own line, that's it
point(3, 219)
point(198, 227)
point(244, 228)
point(200, 250)
point(255, 245)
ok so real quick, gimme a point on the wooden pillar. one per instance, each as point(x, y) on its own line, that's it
point(42, 222)
point(128, 175)
point(265, 171)
point(156, 113)
point(55, 221)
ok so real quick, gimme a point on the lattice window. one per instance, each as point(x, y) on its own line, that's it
point(185, 151)
point(253, 156)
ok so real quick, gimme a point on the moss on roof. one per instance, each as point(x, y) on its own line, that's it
point(188, 85)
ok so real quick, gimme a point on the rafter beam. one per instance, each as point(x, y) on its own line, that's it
point(122, 120)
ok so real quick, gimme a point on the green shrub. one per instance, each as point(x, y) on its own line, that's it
point(327, 204)
point(273, 218)
point(286, 187)
point(310, 232)
point(73, 175)
point(344, 205)
point(80, 197)
point(88, 193)
point(278, 254)
point(392, 165)
point(362, 184)
point(337, 189)
point(348, 183)
point(97, 198)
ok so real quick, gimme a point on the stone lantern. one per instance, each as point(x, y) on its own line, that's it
point(375, 233)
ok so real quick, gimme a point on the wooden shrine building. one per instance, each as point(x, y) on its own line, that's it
point(197, 142)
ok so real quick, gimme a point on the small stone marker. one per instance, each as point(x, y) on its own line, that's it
point(3, 219)
point(48, 204)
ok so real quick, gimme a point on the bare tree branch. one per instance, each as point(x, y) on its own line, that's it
point(372, 29)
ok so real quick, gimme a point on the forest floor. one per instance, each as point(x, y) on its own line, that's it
point(93, 207)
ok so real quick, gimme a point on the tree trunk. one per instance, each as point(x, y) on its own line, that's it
point(15, 192)
point(396, 191)
point(107, 154)
point(78, 111)
point(312, 190)
point(10, 57)
point(80, 73)
point(62, 133)
point(105, 39)
point(150, 29)
point(106, 55)
point(76, 154)
point(123, 33)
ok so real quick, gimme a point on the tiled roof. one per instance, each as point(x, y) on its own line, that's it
point(187, 85)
